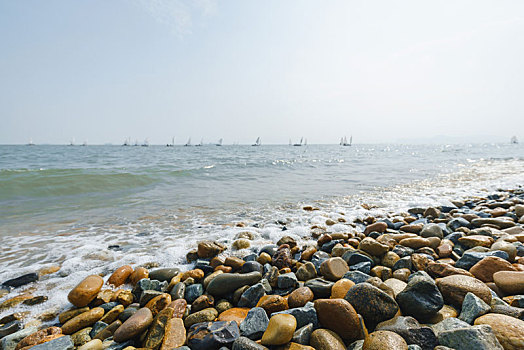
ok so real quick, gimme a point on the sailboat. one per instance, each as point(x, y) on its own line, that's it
point(219, 142)
point(72, 142)
point(146, 143)
point(201, 142)
point(344, 141)
point(299, 144)
point(188, 143)
point(31, 142)
point(514, 140)
point(257, 142)
point(172, 143)
point(136, 142)
point(85, 143)
point(126, 142)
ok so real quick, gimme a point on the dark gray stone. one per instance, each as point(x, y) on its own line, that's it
point(147, 295)
point(228, 282)
point(473, 307)
point(409, 329)
point(164, 274)
point(320, 287)
point(21, 280)
point(178, 291)
point(62, 343)
point(250, 266)
point(421, 298)
point(303, 334)
point(10, 328)
point(243, 343)
point(357, 276)
point(252, 295)
point(97, 327)
point(472, 338)
point(193, 292)
point(9, 341)
point(470, 258)
point(287, 280)
point(304, 315)
point(448, 324)
point(109, 306)
point(212, 335)
point(254, 324)
point(148, 284)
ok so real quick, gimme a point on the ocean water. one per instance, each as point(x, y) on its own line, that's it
point(92, 209)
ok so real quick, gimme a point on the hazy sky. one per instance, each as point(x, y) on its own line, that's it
point(379, 70)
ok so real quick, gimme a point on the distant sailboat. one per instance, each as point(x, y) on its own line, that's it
point(219, 142)
point(344, 141)
point(136, 143)
point(72, 142)
point(126, 142)
point(201, 142)
point(85, 143)
point(188, 143)
point(146, 143)
point(31, 142)
point(299, 144)
point(514, 140)
point(257, 142)
point(172, 143)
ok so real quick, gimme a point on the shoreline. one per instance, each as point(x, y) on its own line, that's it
point(420, 239)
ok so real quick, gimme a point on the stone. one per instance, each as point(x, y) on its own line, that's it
point(61, 342)
point(379, 227)
point(432, 230)
point(320, 287)
point(243, 343)
point(241, 244)
point(125, 297)
point(339, 316)
point(193, 292)
point(440, 269)
point(300, 297)
point(510, 282)
point(164, 274)
point(470, 258)
point(206, 315)
point(449, 324)
point(279, 330)
point(146, 285)
point(174, 334)
point(209, 249)
point(372, 247)
point(82, 336)
point(409, 329)
point(381, 340)
point(272, 303)
point(138, 274)
point(83, 320)
point(471, 338)
point(287, 280)
point(96, 328)
point(304, 315)
point(373, 304)
point(10, 341)
point(120, 275)
point(250, 266)
point(500, 223)
point(212, 335)
point(85, 291)
point(10, 328)
point(21, 281)
point(254, 324)
point(421, 298)
point(454, 289)
point(396, 285)
point(340, 288)
point(226, 283)
point(306, 272)
point(134, 325)
point(282, 257)
point(112, 314)
point(252, 295)
point(156, 332)
point(508, 330)
point(303, 334)
point(473, 307)
point(237, 314)
point(402, 274)
point(108, 331)
point(476, 241)
point(507, 247)
point(333, 269)
point(324, 339)
point(95, 344)
point(415, 242)
point(39, 337)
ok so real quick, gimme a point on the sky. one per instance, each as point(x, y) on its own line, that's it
point(382, 71)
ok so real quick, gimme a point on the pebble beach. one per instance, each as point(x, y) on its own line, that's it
point(439, 277)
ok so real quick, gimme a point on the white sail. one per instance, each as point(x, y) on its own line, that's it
point(219, 142)
point(188, 143)
point(257, 142)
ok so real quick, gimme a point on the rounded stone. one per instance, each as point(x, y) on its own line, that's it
point(138, 274)
point(384, 340)
point(415, 242)
point(508, 330)
point(241, 244)
point(237, 314)
point(209, 249)
point(339, 316)
point(272, 303)
point(95, 344)
point(510, 282)
point(325, 339)
point(83, 320)
point(206, 315)
point(340, 288)
point(134, 325)
point(485, 268)
point(371, 246)
point(373, 304)
point(85, 291)
point(120, 275)
point(279, 330)
point(454, 289)
point(299, 297)
point(505, 247)
point(226, 283)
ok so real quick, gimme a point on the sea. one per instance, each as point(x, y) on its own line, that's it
point(90, 209)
